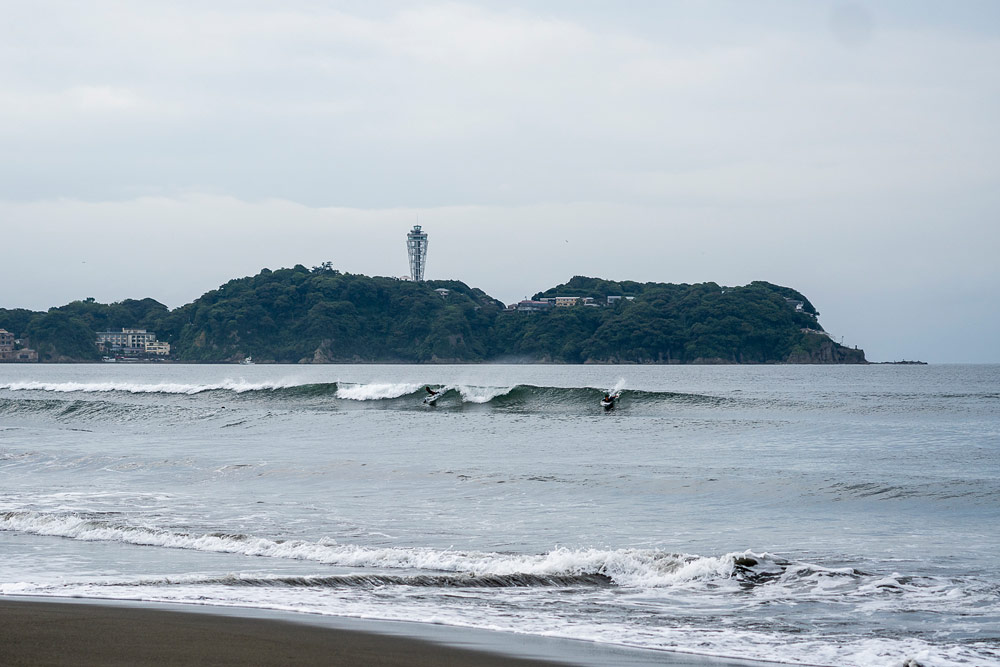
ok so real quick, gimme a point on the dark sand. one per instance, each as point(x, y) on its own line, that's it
point(53, 633)
point(75, 633)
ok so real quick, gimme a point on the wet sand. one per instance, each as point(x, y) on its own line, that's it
point(75, 633)
point(52, 633)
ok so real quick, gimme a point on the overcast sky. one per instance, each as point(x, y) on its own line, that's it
point(848, 150)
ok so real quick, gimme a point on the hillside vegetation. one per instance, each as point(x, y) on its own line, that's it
point(666, 323)
point(320, 315)
point(298, 315)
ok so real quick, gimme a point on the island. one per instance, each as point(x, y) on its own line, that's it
point(322, 315)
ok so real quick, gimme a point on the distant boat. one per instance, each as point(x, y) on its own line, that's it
point(247, 362)
point(108, 360)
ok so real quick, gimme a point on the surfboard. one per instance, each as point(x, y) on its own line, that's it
point(432, 396)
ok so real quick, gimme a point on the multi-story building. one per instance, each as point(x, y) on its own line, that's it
point(11, 349)
point(159, 348)
point(529, 306)
point(416, 248)
point(6, 345)
point(25, 355)
point(566, 301)
point(131, 341)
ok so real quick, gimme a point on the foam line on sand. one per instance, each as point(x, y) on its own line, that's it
point(86, 634)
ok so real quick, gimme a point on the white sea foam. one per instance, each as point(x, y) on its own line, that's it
point(474, 394)
point(376, 391)
point(239, 386)
point(21, 588)
point(625, 567)
point(647, 573)
point(722, 641)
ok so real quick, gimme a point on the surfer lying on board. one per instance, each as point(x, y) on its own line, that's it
point(608, 401)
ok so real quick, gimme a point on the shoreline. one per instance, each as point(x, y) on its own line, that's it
point(456, 362)
point(93, 632)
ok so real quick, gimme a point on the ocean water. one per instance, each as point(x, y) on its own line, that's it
point(843, 516)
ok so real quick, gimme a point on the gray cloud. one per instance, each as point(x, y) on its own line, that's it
point(848, 152)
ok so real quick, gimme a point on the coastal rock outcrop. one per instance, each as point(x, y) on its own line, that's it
point(825, 351)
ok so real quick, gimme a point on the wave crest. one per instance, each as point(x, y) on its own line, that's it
point(624, 567)
point(237, 386)
point(375, 392)
point(385, 394)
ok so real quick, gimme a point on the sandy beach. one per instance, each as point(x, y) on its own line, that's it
point(74, 633)
point(43, 633)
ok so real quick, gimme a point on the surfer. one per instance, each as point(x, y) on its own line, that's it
point(608, 401)
point(431, 396)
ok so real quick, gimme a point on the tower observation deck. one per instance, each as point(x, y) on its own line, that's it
point(416, 248)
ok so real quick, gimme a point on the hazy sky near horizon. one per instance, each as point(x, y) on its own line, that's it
point(847, 149)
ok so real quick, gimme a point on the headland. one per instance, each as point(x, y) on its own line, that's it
point(322, 315)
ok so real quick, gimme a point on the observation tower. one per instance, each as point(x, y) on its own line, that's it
point(416, 248)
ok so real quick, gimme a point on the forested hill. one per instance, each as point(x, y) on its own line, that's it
point(319, 315)
point(667, 323)
point(298, 315)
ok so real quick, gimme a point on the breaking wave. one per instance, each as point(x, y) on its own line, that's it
point(472, 394)
point(384, 393)
point(633, 568)
point(638, 569)
point(418, 581)
point(375, 392)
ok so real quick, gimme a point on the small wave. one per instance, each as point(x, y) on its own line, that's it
point(12, 406)
point(237, 386)
point(77, 410)
point(942, 490)
point(770, 576)
point(624, 567)
point(519, 580)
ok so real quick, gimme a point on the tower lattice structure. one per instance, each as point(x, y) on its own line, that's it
point(416, 248)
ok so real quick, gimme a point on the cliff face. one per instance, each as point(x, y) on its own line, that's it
point(825, 351)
